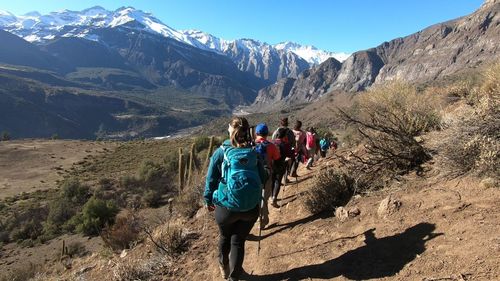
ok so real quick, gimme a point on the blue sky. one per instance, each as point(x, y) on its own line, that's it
point(334, 25)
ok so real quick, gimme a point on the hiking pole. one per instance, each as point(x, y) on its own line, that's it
point(282, 197)
point(260, 222)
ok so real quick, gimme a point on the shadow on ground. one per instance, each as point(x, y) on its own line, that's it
point(379, 258)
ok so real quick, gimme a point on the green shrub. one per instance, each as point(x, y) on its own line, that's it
point(128, 182)
point(330, 190)
point(76, 249)
point(201, 143)
point(151, 198)
point(74, 191)
point(60, 211)
point(150, 171)
point(171, 162)
point(95, 215)
point(29, 229)
point(4, 136)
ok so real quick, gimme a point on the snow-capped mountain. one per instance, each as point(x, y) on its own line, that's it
point(311, 54)
point(263, 60)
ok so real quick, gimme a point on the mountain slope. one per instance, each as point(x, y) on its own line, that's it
point(15, 50)
point(263, 60)
point(435, 52)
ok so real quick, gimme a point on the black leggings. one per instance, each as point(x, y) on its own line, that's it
point(277, 178)
point(234, 228)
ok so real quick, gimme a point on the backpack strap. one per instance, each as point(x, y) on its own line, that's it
point(226, 164)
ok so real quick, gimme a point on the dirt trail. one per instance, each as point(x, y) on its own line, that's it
point(443, 230)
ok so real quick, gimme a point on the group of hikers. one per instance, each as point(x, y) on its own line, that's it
point(245, 172)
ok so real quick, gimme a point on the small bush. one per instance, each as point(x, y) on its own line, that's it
point(151, 172)
point(105, 184)
point(60, 211)
point(151, 198)
point(123, 234)
point(189, 201)
point(74, 191)
point(20, 274)
point(76, 249)
point(170, 240)
point(4, 136)
point(29, 229)
point(473, 142)
point(144, 269)
point(171, 162)
point(201, 143)
point(95, 215)
point(128, 182)
point(331, 189)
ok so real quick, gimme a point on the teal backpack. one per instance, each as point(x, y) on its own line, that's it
point(324, 144)
point(240, 186)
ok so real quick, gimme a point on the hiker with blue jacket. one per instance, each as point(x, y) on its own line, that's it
point(233, 189)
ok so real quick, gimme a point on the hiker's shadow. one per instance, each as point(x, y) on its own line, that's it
point(379, 258)
point(289, 225)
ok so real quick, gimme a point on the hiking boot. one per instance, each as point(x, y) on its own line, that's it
point(224, 271)
point(264, 221)
point(274, 203)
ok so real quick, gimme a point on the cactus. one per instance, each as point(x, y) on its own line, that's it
point(192, 166)
point(181, 170)
point(63, 248)
point(209, 152)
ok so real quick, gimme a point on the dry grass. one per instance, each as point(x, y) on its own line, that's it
point(331, 189)
point(124, 233)
point(473, 142)
point(144, 269)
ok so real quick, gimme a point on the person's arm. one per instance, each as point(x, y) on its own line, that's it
point(213, 176)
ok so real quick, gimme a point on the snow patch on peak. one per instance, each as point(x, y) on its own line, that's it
point(311, 54)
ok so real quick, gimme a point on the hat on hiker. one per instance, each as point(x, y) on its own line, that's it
point(261, 129)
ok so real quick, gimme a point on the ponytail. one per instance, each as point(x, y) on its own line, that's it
point(240, 135)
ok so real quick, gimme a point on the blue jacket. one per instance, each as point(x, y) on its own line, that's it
point(214, 174)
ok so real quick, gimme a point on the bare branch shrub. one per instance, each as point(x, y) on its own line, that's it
point(331, 189)
point(124, 233)
point(390, 118)
point(473, 142)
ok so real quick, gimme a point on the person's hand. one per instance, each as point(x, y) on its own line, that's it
point(210, 208)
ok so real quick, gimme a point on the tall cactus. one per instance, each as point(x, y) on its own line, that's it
point(181, 170)
point(209, 152)
point(191, 164)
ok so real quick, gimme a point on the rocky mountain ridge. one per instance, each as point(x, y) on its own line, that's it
point(435, 52)
point(261, 59)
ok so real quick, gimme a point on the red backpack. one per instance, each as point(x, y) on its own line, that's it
point(310, 141)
